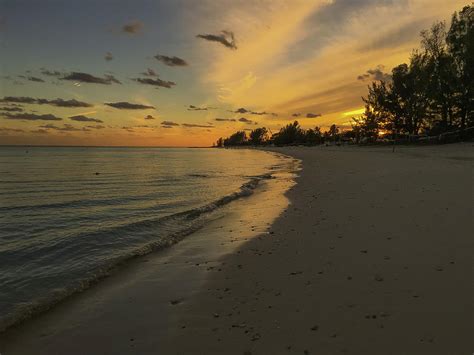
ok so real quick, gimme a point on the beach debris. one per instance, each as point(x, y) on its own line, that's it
point(295, 273)
point(256, 336)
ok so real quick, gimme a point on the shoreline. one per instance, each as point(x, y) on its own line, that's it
point(269, 190)
point(334, 273)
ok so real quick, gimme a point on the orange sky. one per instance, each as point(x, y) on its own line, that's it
point(290, 60)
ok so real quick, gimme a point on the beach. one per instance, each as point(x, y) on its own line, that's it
point(369, 252)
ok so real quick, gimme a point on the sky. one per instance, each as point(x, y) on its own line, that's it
point(186, 72)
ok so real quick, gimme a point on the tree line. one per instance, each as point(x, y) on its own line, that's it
point(431, 96)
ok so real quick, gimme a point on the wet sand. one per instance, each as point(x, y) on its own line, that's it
point(372, 256)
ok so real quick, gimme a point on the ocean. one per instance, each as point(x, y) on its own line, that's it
point(70, 215)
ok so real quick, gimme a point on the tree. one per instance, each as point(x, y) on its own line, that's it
point(258, 136)
point(290, 134)
point(238, 138)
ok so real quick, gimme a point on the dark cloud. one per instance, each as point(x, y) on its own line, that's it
point(19, 99)
point(14, 130)
point(56, 102)
point(132, 27)
point(375, 74)
point(97, 126)
point(91, 79)
point(128, 106)
point(41, 131)
point(195, 108)
point(65, 128)
point(81, 118)
point(63, 103)
point(30, 117)
point(312, 115)
point(244, 110)
point(149, 117)
point(225, 119)
point(35, 79)
point(296, 114)
point(150, 72)
point(108, 56)
point(192, 125)
point(11, 109)
point(155, 82)
point(51, 72)
point(169, 123)
point(226, 38)
point(246, 120)
point(171, 61)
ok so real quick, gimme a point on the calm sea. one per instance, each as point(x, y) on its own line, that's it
point(68, 215)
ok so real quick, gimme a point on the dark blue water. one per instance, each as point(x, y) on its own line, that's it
point(67, 215)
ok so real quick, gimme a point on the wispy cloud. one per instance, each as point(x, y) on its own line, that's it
point(55, 102)
point(81, 118)
point(226, 38)
point(123, 105)
point(30, 117)
point(149, 117)
point(312, 115)
point(375, 74)
point(192, 125)
point(155, 82)
point(133, 27)
point(171, 61)
point(91, 79)
point(108, 56)
point(225, 119)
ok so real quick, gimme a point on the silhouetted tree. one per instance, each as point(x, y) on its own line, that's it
point(258, 136)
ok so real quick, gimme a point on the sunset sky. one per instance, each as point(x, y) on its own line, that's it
point(184, 72)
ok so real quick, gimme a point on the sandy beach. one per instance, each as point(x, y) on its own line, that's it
point(370, 252)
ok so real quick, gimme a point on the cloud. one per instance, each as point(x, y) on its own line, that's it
point(244, 110)
point(128, 106)
point(375, 74)
point(11, 109)
point(66, 128)
point(88, 78)
point(15, 130)
point(149, 117)
point(35, 79)
point(312, 115)
point(296, 114)
point(98, 126)
point(150, 72)
point(195, 108)
point(81, 118)
point(226, 38)
point(225, 119)
point(171, 61)
point(56, 102)
point(246, 120)
point(30, 117)
point(48, 72)
point(155, 82)
point(133, 27)
point(108, 56)
point(169, 123)
point(192, 125)
point(41, 131)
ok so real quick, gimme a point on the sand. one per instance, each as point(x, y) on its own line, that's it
point(369, 253)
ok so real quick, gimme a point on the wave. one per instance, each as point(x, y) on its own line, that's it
point(191, 220)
